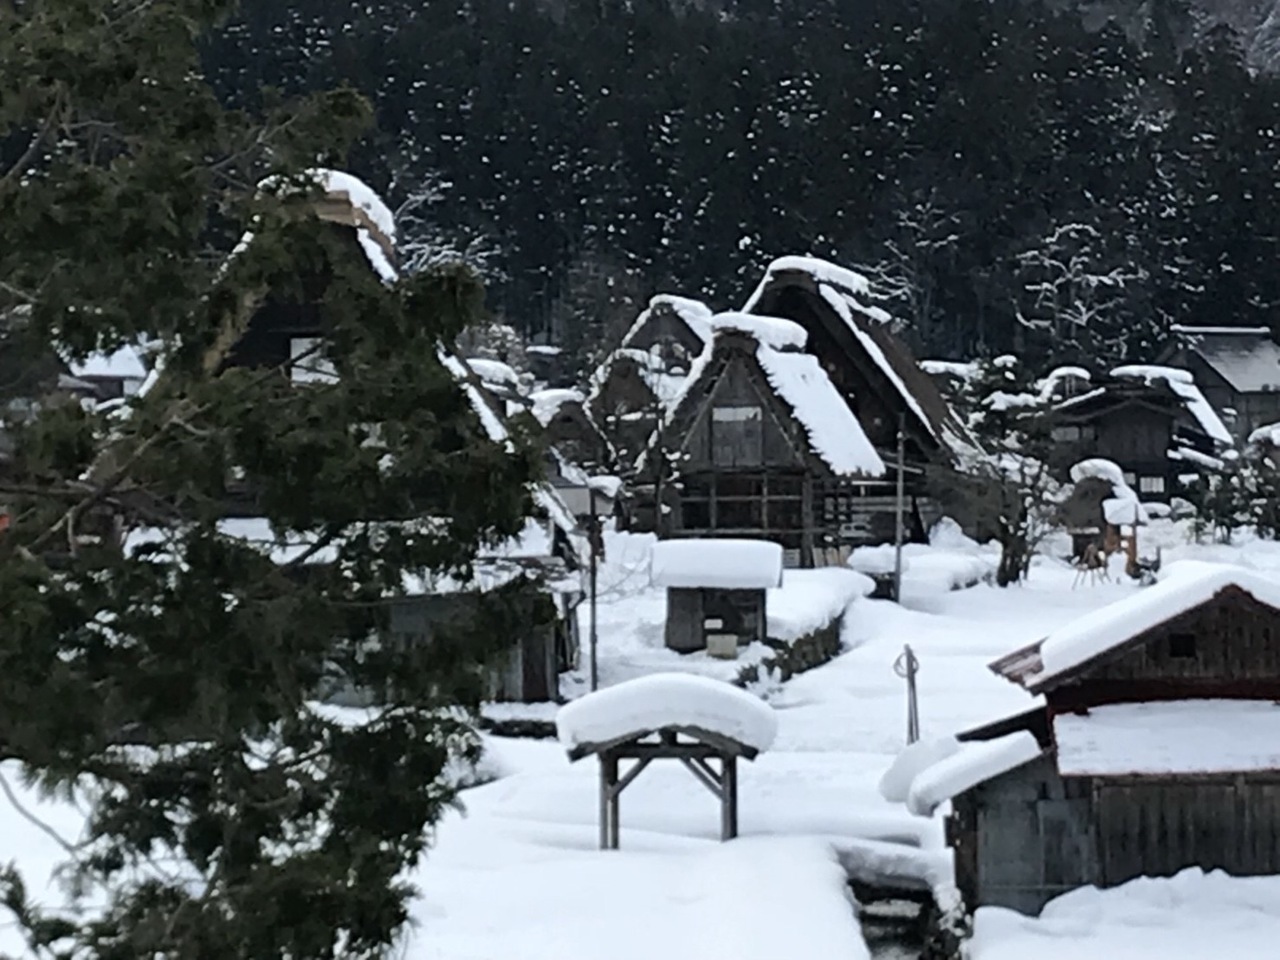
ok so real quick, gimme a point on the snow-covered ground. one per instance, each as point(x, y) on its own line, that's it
point(518, 874)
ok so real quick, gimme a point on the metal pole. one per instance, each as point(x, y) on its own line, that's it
point(595, 552)
point(898, 524)
point(907, 666)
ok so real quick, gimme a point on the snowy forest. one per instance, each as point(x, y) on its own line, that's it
point(1015, 175)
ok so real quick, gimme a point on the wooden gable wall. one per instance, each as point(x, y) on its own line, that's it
point(1228, 647)
point(738, 382)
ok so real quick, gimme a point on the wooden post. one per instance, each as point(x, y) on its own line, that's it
point(605, 806)
point(729, 790)
point(615, 795)
point(806, 520)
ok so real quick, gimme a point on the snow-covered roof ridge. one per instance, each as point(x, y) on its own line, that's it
point(974, 763)
point(1182, 586)
point(846, 280)
point(493, 371)
point(1183, 384)
point(694, 313)
point(667, 700)
point(123, 363)
point(1207, 331)
point(716, 563)
point(1268, 433)
point(772, 332)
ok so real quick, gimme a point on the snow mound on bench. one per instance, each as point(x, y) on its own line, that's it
point(667, 700)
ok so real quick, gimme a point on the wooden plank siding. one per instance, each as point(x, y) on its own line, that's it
point(1229, 647)
point(1023, 838)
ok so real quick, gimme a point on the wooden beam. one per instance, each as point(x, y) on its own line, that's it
point(705, 777)
point(630, 775)
point(729, 777)
point(615, 826)
point(604, 803)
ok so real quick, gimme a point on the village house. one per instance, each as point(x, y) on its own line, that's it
point(1157, 748)
point(759, 444)
point(1237, 368)
point(287, 331)
point(1152, 421)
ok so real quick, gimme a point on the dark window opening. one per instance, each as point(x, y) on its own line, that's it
point(1182, 646)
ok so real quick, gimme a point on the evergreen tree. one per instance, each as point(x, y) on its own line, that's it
point(155, 667)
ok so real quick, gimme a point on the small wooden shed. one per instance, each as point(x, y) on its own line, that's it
point(1157, 748)
point(1099, 507)
point(716, 591)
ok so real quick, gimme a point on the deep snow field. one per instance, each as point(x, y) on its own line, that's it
point(517, 876)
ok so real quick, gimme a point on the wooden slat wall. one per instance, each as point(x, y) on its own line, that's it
point(1237, 640)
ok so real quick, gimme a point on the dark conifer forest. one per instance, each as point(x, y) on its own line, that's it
point(1014, 175)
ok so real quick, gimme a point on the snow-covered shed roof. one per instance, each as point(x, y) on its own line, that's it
point(664, 701)
point(716, 563)
point(1183, 384)
point(1120, 508)
point(1182, 587)
point(835, 436)
point(1246, 357)
point(973, 763)
point(1169, 737)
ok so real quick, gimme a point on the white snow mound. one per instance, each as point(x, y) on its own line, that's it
point(722, 563)
point(914, 759)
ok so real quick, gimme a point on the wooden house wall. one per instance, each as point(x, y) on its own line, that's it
point(781, 440)
point(529, 673)
point(741, 611)
point(1023, 838)
point(1235, 653)
point(573, 434)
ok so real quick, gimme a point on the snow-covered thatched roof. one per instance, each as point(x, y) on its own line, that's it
point(835, 436)
point(847, 295)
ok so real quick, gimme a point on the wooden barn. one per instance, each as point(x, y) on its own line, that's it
point(1152, 421)
point(761, 446)
point(1157, 748)
point(716, 592)
point(869, 366)
point(1237, 368)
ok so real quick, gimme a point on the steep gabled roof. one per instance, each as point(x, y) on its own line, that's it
point(834, 436)
point(1245, 357)
point(1086, 640)
point(843, 296)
